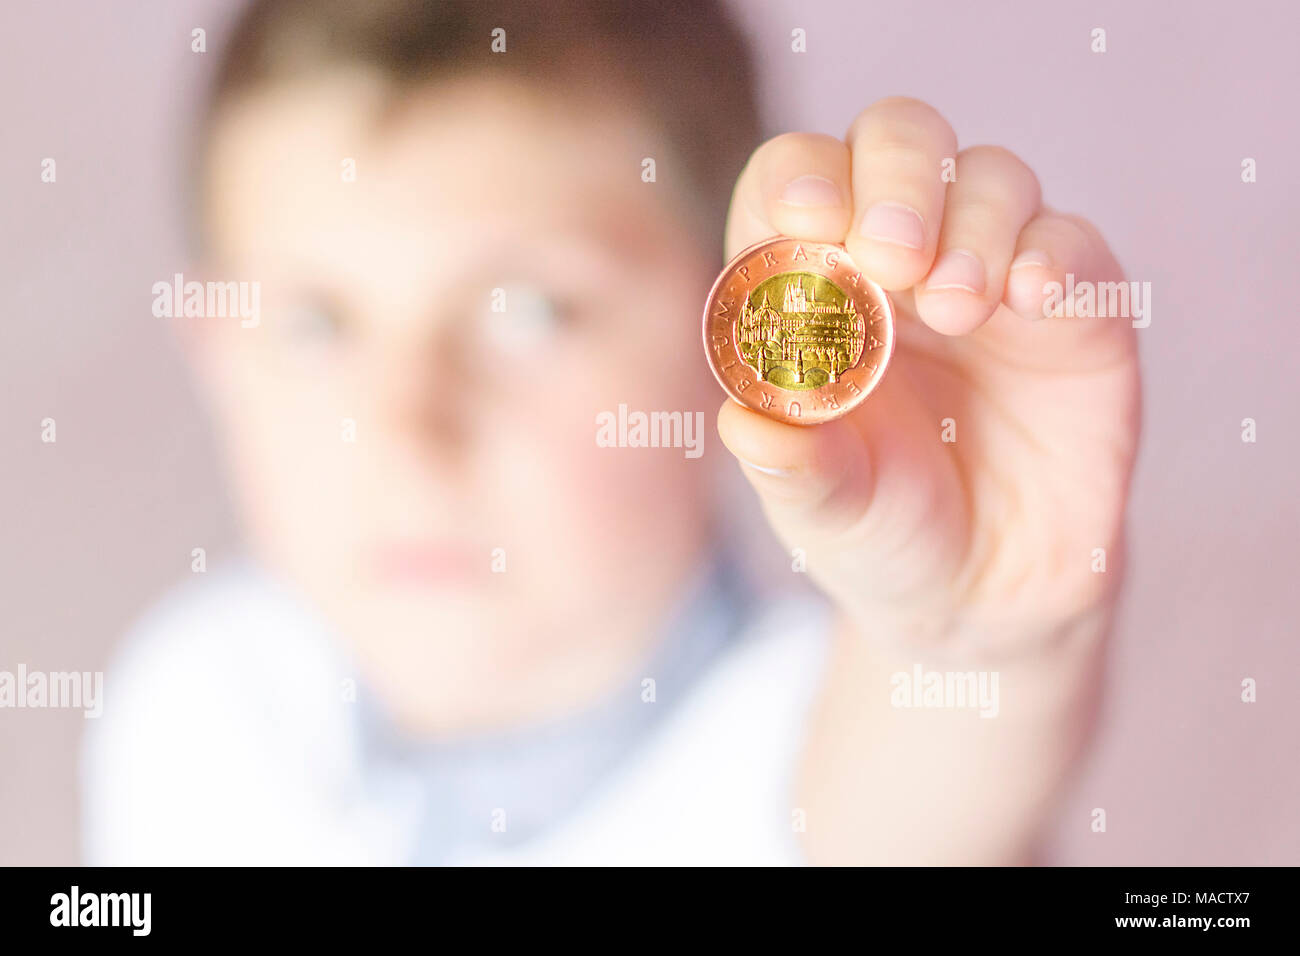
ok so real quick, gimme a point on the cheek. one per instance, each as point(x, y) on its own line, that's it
point(289, 454)
point(597, 505)
point(567, 503)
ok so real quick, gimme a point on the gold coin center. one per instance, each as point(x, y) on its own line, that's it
point(798, 330)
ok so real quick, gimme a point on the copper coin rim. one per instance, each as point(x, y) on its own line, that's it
point(824, 414)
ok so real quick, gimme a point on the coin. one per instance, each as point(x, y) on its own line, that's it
point(794, 330)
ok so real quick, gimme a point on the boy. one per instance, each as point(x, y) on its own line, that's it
point(470, 634)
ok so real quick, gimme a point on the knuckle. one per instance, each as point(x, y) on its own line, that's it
point(975, 211)
point(899, 157)
point(1082, 228)
point(1073, 232)
point(903, 119)
point(785, 143)
point(999, 164)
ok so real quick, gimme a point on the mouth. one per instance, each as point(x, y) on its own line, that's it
point(424, 564)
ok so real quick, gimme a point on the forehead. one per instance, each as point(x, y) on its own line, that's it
point(300, 172)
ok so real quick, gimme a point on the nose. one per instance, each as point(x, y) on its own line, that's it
point(422, 390)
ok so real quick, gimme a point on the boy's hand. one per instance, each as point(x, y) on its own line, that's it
point(969, 498)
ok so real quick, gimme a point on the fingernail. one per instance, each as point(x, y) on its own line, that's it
point(893, 223)
point(957, 269)
point(1031, 257)
point(812, 191)
point(778, 472)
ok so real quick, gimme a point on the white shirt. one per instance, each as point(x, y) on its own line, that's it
point(226, 739)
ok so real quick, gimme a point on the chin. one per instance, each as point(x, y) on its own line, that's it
point(449, 627)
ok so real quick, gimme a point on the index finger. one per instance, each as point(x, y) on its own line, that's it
point(796, 185)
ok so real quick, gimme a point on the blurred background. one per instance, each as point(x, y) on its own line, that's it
point(1146, 139)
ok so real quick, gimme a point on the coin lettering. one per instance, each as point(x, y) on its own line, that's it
point(792, 316)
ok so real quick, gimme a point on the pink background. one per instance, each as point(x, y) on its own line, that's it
point(1146, 139)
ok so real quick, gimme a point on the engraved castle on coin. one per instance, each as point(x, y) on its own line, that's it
point(809, 341)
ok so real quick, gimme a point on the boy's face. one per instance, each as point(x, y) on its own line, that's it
point(389, 430)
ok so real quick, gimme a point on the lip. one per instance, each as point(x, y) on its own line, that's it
point(426, 564)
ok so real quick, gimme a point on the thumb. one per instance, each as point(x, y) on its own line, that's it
point(878, 510)
point(806, 477)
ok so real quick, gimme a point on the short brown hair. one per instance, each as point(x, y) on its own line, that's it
point(683, 61)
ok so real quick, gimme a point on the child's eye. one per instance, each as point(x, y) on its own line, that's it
point(311, 322)
point(521, 317)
